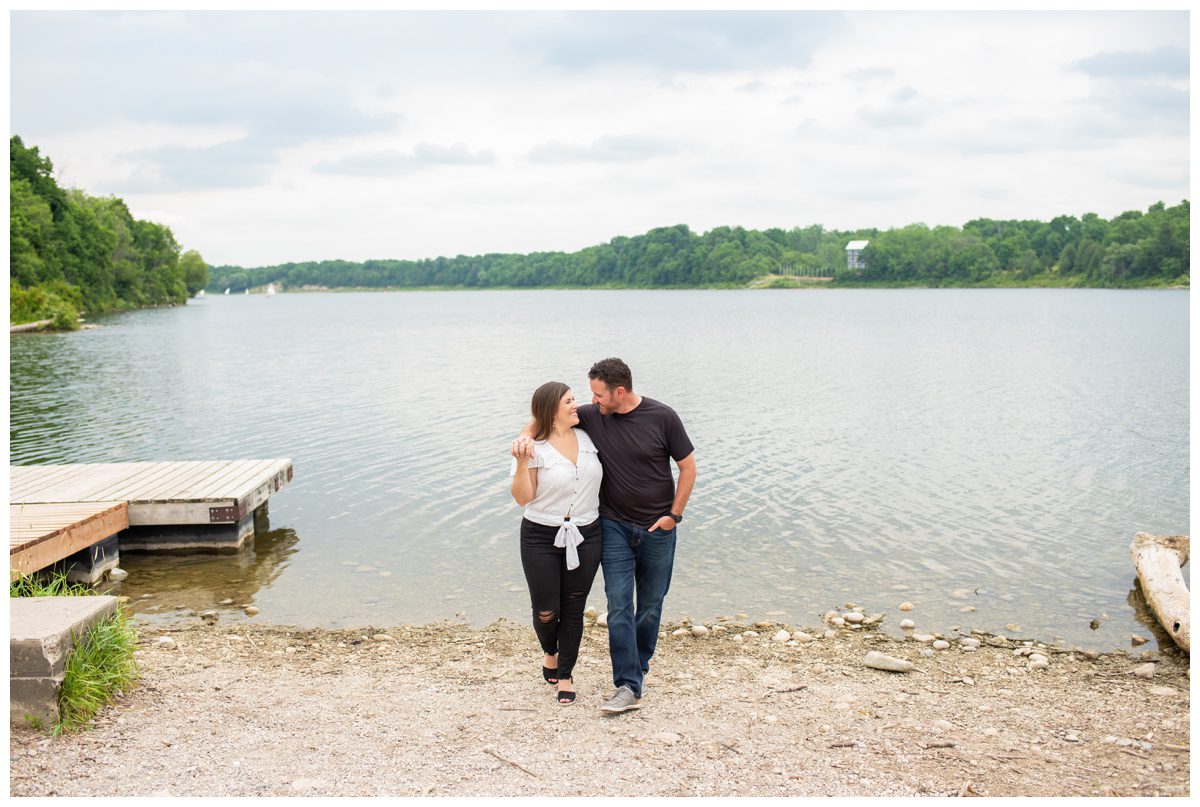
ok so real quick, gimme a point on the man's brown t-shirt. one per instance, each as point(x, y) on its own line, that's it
point(636, 450)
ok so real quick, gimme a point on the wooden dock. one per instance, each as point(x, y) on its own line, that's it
point(168, 506)
point(41, 535)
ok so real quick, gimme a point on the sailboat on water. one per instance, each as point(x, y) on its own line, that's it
point(227, 291)
point(270, 289)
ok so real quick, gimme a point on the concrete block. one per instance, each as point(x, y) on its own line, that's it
point(40, 631)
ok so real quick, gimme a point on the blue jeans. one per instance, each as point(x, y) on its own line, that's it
point(634, 560)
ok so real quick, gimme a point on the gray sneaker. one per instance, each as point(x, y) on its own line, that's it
point(622, 700)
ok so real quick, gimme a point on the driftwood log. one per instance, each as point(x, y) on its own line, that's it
point(1158, 560)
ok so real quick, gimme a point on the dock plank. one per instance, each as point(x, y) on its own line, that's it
point(163, 487)
point(234, 487)
point(213, 486)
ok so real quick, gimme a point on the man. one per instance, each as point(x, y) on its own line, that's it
point(640, 508)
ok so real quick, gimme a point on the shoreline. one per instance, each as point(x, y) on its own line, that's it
point(243, 709)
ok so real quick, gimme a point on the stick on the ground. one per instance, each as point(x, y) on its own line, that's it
point(504, 759)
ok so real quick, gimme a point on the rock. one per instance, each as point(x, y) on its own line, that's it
point(667, 737)
point(1138, 640)
point(873, 619)
point(968, 641)
point(829, 615)
point(991, 731)
point(940, 644)
point(927, 653)
point(117, 574)
point(1145, 671)
point(209, 616)
point(906, 606)
point(923, 638)
point(602, 620)
point(1039, 663)
point(830, 634)
point(591, 613)
point(838, 621)
point(226, 601)
point(680, 632)
point(1038, 657)
point(970, 648)
point(781, 636)
point(943, 725)
point(742, 616)
point(770, 719)
point(718, 628)
point(165, 642)
point(1164, 692)
point(907, 624)
point(699, 630)
point(763, 625)
point(882, 661)
point(853, 617)
point(1071, 737)
point(801, 637)
point(737, 637)
point(750, 634)
point(251, 610)
point(383, 637)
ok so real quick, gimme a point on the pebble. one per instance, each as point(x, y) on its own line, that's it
point(781, 636)
point(225, 601)
point(1037, 657)
point(737, 637)
point(853, 617)
point(1165, 692)
point(146, 596)
point(1071, 738)
point(829, 615)
point(907, 624)
point(680, 632)
point(830, 634)
point(591, 613)
point(927, 653)
point(770, 719)
point(602, 620)
point(837, 620)
point(762, 624)
point(117, 574)
point(289, 650)
point(882, 661)
point(750, 634)
point(991, 731)
point(210, 616)
point(968, 641)
point(1145, 671)
point(719, 629)
point(966, 609)
point(699, 630)
point(667, 737)
point(383, 637)
point(943, 725)
point(1041, 663)
point(165, 642)
point(924, 638)
point(251, 610)
point(906, 606)
point(742, 616)
point(970, 648)
point(941, 644)
point(801, 636)
point(1138, 639)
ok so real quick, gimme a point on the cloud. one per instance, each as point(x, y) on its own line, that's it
point(609, 149)
point(906, 107)
point(1160, 63)
point(683, 41)
point(395, 163)
point(870, 74)
point(236, 164)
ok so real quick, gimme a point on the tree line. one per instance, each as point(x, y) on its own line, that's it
point(1134, 249)
point(70, 252)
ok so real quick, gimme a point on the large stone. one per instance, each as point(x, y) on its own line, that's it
point(882, 661)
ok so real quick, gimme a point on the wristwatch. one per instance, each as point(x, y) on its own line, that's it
point(678, 518)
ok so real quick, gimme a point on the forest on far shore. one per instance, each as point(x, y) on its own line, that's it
point(1132, 250)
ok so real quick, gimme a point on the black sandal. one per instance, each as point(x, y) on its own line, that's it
point(566, 698)
point(550, 674)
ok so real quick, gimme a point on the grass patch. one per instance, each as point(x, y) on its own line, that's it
point(98, 667)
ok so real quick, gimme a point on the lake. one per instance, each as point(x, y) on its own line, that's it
point(993, 450)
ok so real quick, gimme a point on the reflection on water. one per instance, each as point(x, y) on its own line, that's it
point(985, 454)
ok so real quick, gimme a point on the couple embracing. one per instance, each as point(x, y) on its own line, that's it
point(596, 484)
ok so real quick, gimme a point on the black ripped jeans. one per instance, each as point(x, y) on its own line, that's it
point(559, 596)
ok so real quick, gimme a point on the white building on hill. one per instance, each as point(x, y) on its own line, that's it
point(853, 251)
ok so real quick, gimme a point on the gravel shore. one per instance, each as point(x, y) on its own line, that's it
point(447, 709)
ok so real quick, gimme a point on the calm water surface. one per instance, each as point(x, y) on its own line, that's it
point(985, 449)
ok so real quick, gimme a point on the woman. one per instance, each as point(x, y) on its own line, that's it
point(560, 533)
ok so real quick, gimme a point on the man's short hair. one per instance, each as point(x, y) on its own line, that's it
point(613, 372)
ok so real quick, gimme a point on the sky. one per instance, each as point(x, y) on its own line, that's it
point(267, 137)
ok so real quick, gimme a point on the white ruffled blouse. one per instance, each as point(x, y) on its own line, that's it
point(568, 493)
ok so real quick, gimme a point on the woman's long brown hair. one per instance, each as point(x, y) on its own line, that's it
point(544, 405)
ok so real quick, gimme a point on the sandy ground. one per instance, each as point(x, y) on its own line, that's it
point(452, 710)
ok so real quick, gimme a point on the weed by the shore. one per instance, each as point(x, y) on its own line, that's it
point(98, 666)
